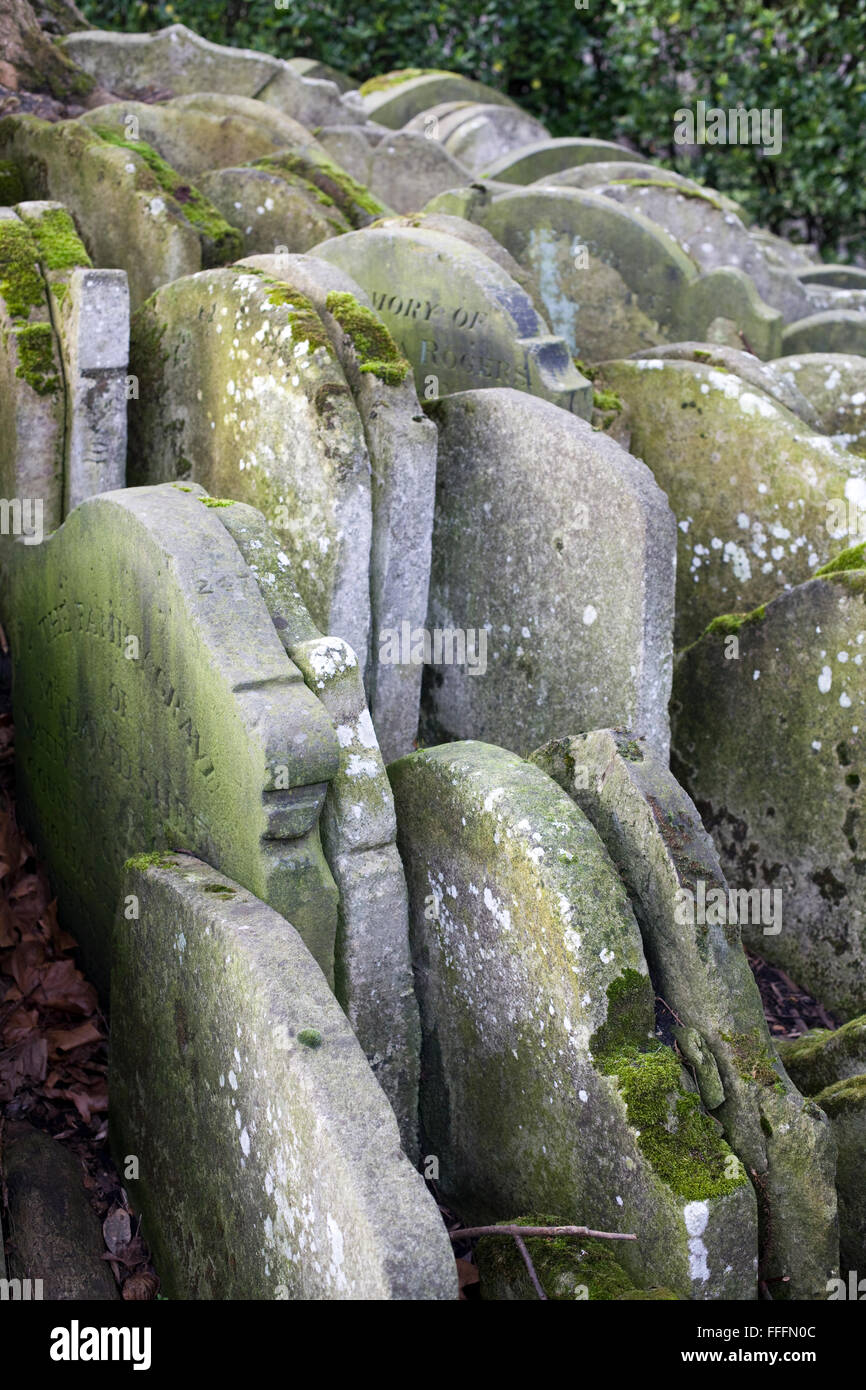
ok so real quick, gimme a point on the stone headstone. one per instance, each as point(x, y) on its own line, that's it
point(402, 445)
point(372, 969)
point(459, 318)
point(538, 1051)
point(190, 139)
point(834, 330)
point(351, 146)
point(652, 831)
point(841, 277)
point(712, 233)
point(395, 97)
point(478, 133)
point(845, 1107)
point(749, 484)
point(272, 210)
point(32, 401)
point(834, 383)
point(610, 171)
point(311, 67)
point(614, 282)
point(406, 170)
point(90, 314)
point(286, 1180)
point(768, 377)
point(132, 211)
point(178, 60)
point(823, 1056)
point(553, 565)
point(242, 391)
point(781, 251)
point(282, 131)
point(781, 692)
point(536, 161)
point(156, 708)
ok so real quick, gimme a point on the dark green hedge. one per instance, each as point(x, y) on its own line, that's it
point(616, 69)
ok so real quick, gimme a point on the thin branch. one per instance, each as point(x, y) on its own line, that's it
point(518, 1240)
point(470, 1232)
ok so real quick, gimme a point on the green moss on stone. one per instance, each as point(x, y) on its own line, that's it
point(606, 400)
point(225, 242)
point(630, 1014)
point(843, 1096)
point(215, 501)
point(682, 1143)
point(854, 558)
point(683, 190)
point(563, 1264)
point(36, 364)
point(753, 1059)
point(21, 283)
point(60, 246)
point(157, 859)
point(376, 349)
point(728, 623)
point(302, 314)
point(397, 78)
point(310, 1037)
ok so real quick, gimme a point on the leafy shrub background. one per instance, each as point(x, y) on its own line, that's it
point(617, 69)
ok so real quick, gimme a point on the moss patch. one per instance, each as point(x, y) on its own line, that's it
point(753, 1060)
point(36, 363)
point(728, 623)
point(376, 349)
point(396, 78)
point(310, 1037)
point(11, 184)
point(606, 400)
point(60, 246)
point(21, 284)
point(681, 1142)
point(221, 242)
point(302, 313)
point(157, 859)
point(854, 558)
point(563, 1264)
point(630, 1014)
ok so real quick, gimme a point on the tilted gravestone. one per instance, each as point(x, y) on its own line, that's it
point(543, 1086)
point(553, 566)
point(459, 318)
point(834, 383)
point(372, 970)
point(766, 376)
point(477, 133)
point(286, 1179)
point(155, 708)
point(535, 161)
point(612, 171)
point(749, 484)
point(402, 444)
point(90, 314)
point(32, 401)
point(242, 391)
point(271, 210)
point(179, 60)
point(759, 701)
point(833, 330)
point(613, 281)
point(394, 98)
point(711, 232)
point(653, 833)
point(132, 210)
point(191, 140)
point(406, 170)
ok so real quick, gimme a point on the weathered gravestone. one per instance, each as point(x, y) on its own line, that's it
point(834, 383)
point(759, 701)
point(272, 210)
point(90, 314)
point(406, 170)
point(711, 232)
point(613, 281)
point(460, 319)
point(156, 708)
point(394, 98)
point(242, 391)
point(552, 578)
point(178, 60)
point(766, 376)
point(536, 161)
point(749, 484)
point(841, 277)
point(653, 833)
point(543, 1085)
point(402, 445)
point(372, 970)
point(477, 133)
point(823, 1056)
point(286, 1179)
point(159, 227)
point(32, 402)
point(611, 171)
point(190, 139)
point(834, 330)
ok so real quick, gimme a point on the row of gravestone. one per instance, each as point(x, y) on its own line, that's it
point(338, 454)
point(273, 383)
point(192, 707)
